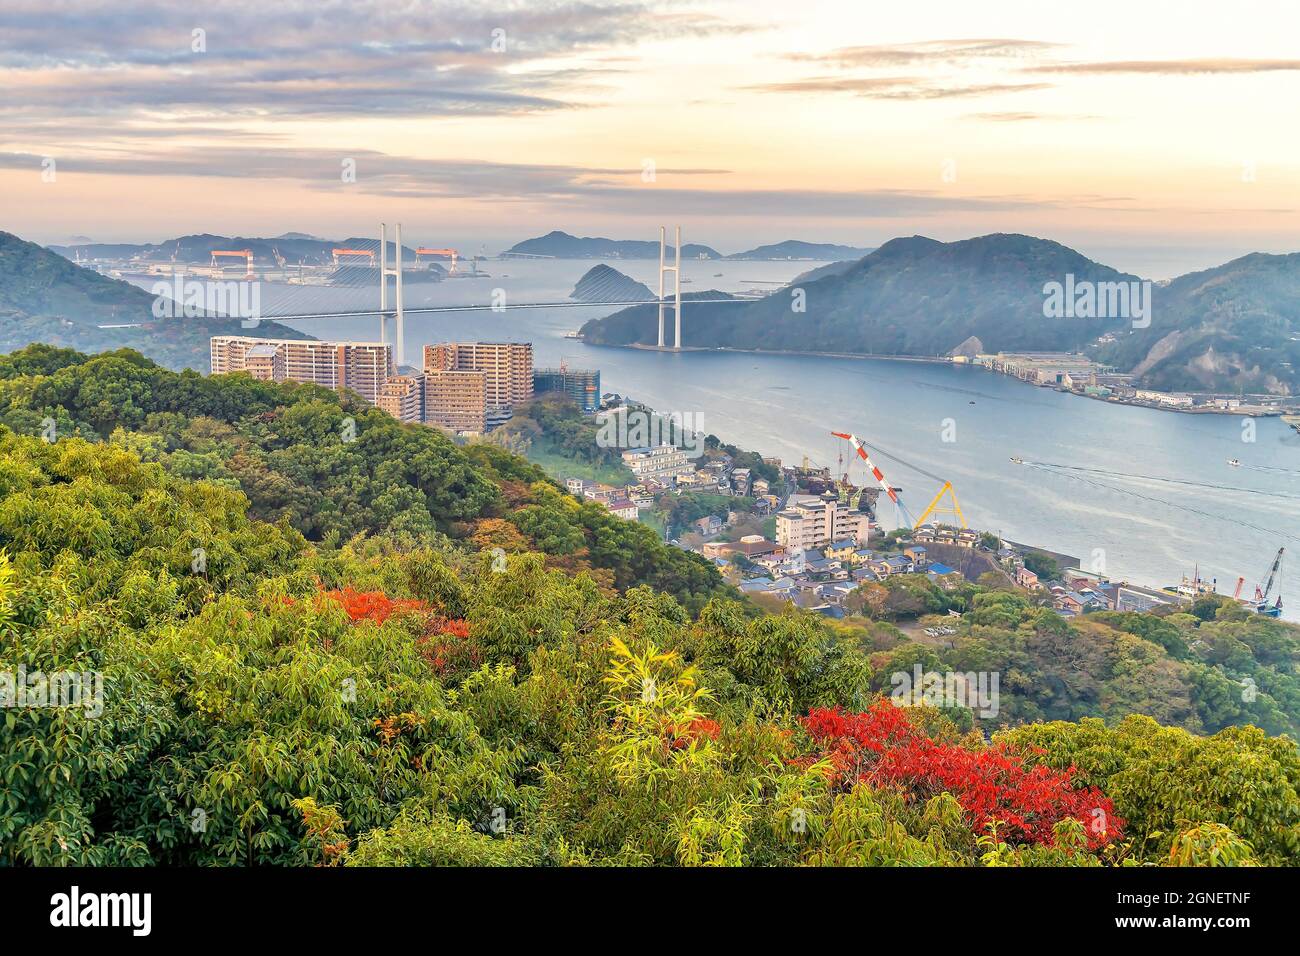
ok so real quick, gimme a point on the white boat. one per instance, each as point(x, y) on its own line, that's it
point(1234, 462)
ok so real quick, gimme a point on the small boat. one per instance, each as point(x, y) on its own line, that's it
point(1234, 462)
point(972, 401)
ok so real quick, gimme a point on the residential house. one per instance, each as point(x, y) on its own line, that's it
point(1028, 579)
point(944, 576)
point(895, 564)
point(841, 550)
point(621, 508)
point(599, 492)
point(708, 526)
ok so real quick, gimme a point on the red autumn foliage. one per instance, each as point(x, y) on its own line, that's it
point(447, 647)
point(372, 605)
point(696, 729)
point(992, 784)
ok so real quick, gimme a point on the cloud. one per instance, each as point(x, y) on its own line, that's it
point(612, 191)
point(1025, 117)
point(311, 59)
point(893, 88)
point(376, 172)
point(1171, 67)
point(929, 67)
point(927, 51)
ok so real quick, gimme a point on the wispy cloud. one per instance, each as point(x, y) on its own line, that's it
point(1171, 67)
point(933, 68)
point(1026, 117)
point(893, 88)
point(928, 52)
point(580, 188)
point(306, 58)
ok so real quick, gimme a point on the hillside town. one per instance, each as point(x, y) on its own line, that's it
point(824, 542)
point(795, 534)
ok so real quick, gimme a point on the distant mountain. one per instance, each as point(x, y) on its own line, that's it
point(795, 249)
point(295, 247)
point(1233, 327)
point(46, 298)
point(605, 284)
point(830, 269)
point(911, 296)
point(561, 245)
point(1230, 328)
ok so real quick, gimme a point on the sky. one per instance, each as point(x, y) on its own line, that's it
point(1155, 136)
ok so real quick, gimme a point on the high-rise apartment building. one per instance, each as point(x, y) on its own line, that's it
point(402, 396)
point(456, 400)
point(362, 367)
point(507, 368)
point(265, 362)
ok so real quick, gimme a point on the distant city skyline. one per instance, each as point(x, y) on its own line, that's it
point(1140, 134)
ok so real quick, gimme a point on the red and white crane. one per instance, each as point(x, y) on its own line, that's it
point(934, 508)
point(439, 254)
point(368, 253)
point(862, 453)
point(245, 254)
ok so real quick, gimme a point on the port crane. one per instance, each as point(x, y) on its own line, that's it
point(1261, 596)
point(441, 254)
point(934, 508)
point(245, 254)
point(368, 253)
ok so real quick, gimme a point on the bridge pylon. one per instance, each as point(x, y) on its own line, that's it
point(399, 343)
point(676, 270)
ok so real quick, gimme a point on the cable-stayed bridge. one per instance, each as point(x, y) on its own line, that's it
point(607, 293)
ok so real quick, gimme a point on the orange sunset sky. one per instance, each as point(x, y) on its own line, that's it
point(1155, 136)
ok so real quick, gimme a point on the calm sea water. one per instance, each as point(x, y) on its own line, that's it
point(1146, 530)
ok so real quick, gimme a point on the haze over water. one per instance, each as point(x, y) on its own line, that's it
point(786, 405)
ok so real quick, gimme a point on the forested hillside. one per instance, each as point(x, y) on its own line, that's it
point(912, 296)
point(46, 298)
point(1235, 327)
point(327, 638)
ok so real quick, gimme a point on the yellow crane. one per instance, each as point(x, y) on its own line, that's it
point(934, 507)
